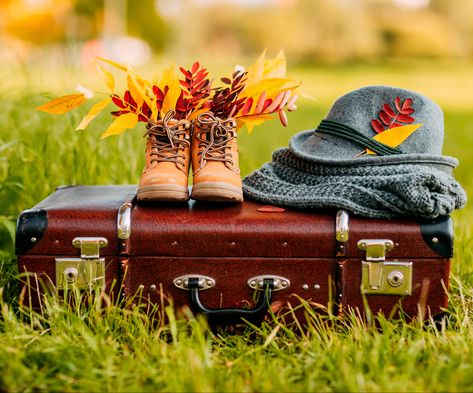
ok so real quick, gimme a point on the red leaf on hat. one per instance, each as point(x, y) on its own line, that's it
point(405, 118)
point(397, 102)
point(377, 126)
point(387, 108)
point(407, 103)
point(390, 119)
point(385, 118)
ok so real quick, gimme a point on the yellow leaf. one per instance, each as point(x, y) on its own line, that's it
point(63, 104)
point(135, 91)
point(142, 81)
point(120, 124)
point(114, 63)
point(108, 78)
point(138, 92)
point(251, 121)
point(170, 80)
point(275, 68)
point(395, 136)
point(272, 86)
point(256, 70)
point(94, 111)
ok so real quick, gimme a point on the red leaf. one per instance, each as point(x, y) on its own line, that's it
point(118, 101)
point(146, 109)
point(283, 118)
point(385, 118)
point(387, 108)
point(202, 73)
point(158, 93)
point(227, 81)
point(407, 111)
point(267, 103)
point(129, 99)
point(185, 84)
point(186, 73)
point(404, 118)
point(247, 107)
point(195, 67)
point(377, 126)
point(395, 124)
point(407, 103)
point(397, 101)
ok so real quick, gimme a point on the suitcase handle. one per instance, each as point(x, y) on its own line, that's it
point(231, 315)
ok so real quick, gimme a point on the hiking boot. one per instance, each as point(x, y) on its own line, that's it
point(165, 176)
point(215, 160)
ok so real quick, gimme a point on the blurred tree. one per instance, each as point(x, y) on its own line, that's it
point(38, 22)
point(144, 22)
point(416, 33)
point(459, 15)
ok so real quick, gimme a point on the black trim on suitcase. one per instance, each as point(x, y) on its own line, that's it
point(438, 234)
point(30, 229)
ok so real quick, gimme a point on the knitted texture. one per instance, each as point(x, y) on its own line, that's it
point(378, 191)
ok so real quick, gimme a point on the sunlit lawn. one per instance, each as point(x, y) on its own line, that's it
point(88, 350)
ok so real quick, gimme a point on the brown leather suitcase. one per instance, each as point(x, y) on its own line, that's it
point(233, 261)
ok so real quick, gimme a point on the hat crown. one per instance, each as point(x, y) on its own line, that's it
point(359, 108)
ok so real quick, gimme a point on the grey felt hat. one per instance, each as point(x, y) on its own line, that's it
point(327, 167)
point(360, 111)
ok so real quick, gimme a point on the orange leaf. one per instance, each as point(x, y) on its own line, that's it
point(63, 104)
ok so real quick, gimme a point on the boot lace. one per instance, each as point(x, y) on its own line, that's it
point(168, 141)
point(215, 136)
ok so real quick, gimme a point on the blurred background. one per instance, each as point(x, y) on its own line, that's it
point(66, 32)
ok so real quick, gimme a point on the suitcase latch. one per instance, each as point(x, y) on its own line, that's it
point(381, 277)
point(86, 272)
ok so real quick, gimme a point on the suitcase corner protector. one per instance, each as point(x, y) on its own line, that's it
point(30, 228)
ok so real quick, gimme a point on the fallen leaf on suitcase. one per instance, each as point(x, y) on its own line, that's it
point(271, 209)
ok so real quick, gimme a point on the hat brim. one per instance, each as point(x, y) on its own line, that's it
point(321, 149)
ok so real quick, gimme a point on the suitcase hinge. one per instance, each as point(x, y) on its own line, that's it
point(342, 232)
point(124, 218)
point(381, 277)
point(86, 272)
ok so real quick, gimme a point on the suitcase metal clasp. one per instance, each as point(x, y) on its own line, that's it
point(85, 272)
point(381, 277)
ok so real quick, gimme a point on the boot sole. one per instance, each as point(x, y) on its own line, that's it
point(163, 193)
point(217, 192)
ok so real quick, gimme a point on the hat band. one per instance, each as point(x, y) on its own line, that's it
point(337, 129)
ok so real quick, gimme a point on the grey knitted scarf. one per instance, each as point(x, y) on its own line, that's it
point(378, 191)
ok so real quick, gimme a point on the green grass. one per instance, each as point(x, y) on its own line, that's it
point(92, 348)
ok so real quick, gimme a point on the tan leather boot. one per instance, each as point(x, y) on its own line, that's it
point(165, 176)
point(215, 160)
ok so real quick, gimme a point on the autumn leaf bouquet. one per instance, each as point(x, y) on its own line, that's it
point(188, 118)
point(250, 96)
